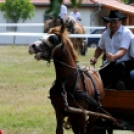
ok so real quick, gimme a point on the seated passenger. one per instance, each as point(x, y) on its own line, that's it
point(132, 79)
point(132, 65)
point(115, 42)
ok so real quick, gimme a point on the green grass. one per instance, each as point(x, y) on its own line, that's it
point(24, 85)
point(24, 90)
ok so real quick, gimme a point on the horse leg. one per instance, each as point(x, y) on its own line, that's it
point(78, 123)
point(59, 119)
point(58, 105)
point(90, 125)
point(110, 131)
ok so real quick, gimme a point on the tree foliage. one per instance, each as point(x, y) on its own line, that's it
point(54, 8)
point(17, 9)
point(131, 1)
point(125, 1)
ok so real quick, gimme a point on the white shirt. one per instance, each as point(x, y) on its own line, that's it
point(120, 39)
point(76, 16)
point(63, 11)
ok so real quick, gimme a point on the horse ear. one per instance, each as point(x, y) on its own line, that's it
point(54, 39)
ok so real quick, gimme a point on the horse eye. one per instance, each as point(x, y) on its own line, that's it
point(34, 46)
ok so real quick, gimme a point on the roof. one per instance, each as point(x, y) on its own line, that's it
point(116, 4)
point(47, 2)
point(110, 4)
point(65, 1)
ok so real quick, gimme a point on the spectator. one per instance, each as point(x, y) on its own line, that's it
point(63, 12)
point(115, 42)
point(76, 15)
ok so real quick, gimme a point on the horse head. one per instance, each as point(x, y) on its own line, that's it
point(45, 47)
point(51, 23)
point(69, 22)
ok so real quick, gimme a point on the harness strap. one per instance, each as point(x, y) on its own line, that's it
point(97, 93)
point(67, 80)
point(77, 94)
point(82, 95)
point(84, 83)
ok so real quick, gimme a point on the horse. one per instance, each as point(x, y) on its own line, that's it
point(73, 28)
point(51, 23)
point(76, 28)
point(76, 89)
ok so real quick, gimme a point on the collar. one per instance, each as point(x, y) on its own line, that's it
point(120, 30)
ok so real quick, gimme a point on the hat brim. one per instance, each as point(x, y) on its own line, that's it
point(107, 20)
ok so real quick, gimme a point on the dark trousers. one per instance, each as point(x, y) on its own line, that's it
point(114, 72)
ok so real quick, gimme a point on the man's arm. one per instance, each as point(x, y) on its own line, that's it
point(79, 16)
point(113, 57)
point(97, 54)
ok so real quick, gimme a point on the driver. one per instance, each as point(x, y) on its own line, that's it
point(115, 42)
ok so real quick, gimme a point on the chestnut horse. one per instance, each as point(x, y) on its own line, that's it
point(73, 28)
point(76, 28)
point(51, 23)
point(75, 90)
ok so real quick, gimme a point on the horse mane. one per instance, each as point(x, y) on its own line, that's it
point(63, 33)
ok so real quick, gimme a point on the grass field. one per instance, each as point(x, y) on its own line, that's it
point(24, 90)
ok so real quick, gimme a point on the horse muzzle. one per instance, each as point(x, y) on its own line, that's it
point(38, 56)
point(31, 50)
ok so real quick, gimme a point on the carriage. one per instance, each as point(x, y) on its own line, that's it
point(78, 93)
point(120, 104)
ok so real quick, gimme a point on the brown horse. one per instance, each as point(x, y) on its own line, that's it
point(76, 28)
point(51, 23)
point(75, 90)
point(73, 28)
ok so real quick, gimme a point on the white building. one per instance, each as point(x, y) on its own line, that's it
point(90, 13)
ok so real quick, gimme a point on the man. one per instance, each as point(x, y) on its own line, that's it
point(59, 20)
point(76, 15)
point(63, 12)
point(115, 42)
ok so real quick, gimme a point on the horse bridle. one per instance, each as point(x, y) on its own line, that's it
point(45, 54)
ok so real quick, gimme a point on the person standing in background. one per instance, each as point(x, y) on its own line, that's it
point(63, 12)
point(76, 15)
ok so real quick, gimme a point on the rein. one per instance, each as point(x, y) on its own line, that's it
point(63, 63)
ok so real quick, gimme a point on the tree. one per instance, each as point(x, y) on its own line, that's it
point(16, 10)
point(131, 1)
point(55, 4)
point(54, 8)
point(125, 1)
